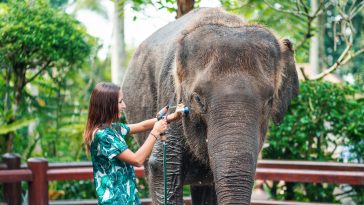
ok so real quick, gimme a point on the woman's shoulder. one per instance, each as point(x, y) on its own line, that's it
point(121, 128)
point(103, 135)
point(101, 132)
point(120, 124)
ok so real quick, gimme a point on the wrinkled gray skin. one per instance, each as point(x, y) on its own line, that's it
point(234, 77)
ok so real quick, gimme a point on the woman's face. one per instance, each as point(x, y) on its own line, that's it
point(121, 104)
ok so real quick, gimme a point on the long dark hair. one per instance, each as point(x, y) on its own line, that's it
point(103, 109)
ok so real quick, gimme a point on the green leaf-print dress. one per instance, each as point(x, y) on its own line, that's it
point(114, 179)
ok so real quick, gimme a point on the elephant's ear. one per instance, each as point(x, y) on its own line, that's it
point(286, 82)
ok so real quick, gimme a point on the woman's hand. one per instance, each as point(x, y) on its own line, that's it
point(138, 158)
point(159, 127)
point(176, 115)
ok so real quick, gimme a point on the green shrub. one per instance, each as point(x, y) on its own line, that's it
point(324, 123)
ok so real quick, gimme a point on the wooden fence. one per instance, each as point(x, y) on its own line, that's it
point(38, 172)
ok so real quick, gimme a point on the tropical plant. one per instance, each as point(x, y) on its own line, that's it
point(319, 126)
point(36, 42)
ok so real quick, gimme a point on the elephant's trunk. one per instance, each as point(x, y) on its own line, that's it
point(233, 150)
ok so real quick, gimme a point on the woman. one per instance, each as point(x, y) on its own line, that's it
point(104, 137)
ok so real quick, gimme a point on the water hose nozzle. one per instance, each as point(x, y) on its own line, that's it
point(184, 110)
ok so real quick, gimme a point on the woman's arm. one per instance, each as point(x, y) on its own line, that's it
point(142, 126)
point(138, 158)
point(148, 124)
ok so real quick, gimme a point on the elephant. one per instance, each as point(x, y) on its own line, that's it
point(234, 77)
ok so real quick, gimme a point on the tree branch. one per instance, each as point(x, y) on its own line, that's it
point(310, 19)
point(297, 13)
point(306, 36)
point(358, 9)
point(240, 7)
point(338, 62)
point(304, 7)
point(38, 73)
point(349, 57)
point(305, 77)
point(346, 55)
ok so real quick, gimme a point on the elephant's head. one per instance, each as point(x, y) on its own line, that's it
point(233, 78)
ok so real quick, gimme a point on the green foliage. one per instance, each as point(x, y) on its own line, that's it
point(58, 99)
point(49, 49)
point(91, 5)
point(334, 42)
point(58, 3)
point(323, 124)
point(290, 19)
point(62, 111)
point(59, 65)
point(72, 190)
point(140, 5)
point(37, 43)
point(6, 128)
point(33, 36)
point(263, 12)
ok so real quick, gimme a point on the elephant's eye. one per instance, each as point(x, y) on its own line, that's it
point(197, 99)
point(199, 102)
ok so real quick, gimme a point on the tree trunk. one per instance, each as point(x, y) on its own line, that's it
point(18, 87)
point(118, 56)
point(184, 6)
point(7, 107)
point(315, 42)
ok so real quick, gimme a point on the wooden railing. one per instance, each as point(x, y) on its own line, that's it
point(38, 172)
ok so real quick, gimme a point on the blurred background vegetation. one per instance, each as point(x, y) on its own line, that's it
point(49, 65)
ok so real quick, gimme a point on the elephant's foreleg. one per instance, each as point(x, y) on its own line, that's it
point(174, 154)
point(203, 195)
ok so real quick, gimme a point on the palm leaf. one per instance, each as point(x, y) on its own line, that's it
point(4, 129)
